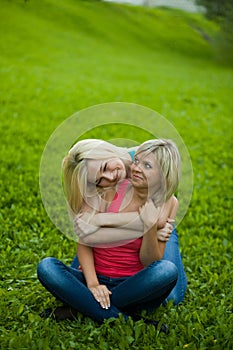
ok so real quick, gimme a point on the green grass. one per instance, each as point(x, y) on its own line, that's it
point(58, 57)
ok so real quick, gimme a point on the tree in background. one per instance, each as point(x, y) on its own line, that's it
point(222, 12)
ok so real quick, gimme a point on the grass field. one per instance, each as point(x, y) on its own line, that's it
point(59, 57)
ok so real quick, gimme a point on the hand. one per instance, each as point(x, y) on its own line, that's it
point(82, 227)
point(149, 214)
point(164, 233)
point(101, 294)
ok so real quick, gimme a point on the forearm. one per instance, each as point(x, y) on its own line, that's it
point(86, 259)
point(88, 224)
point(112, 235)
point(151, 249)
point(131, 220)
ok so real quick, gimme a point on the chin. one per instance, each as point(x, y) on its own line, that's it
point(135, 182)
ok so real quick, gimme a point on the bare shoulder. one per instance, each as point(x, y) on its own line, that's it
point(174, 200)
point(174, 204)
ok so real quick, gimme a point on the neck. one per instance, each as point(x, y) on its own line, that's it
point(140, 195)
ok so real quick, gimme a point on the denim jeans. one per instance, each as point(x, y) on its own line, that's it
point(171, 253)
point(147, 289)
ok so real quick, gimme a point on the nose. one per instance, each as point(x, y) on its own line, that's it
point(111, 166)
point(108, 175)
point(109, 171)
point(137, 167)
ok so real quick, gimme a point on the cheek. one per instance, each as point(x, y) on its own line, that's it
point(92, 170)
point(155, 180)
point(91, 176)
point(132, 167)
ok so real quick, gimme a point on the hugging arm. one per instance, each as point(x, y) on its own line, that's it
point(110, 237)
point(102, 228)
point(131, 220)
point(114, 227)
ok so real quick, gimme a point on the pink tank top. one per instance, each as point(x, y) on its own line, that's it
point(121, 261)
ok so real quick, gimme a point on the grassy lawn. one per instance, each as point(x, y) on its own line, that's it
point(59, 57)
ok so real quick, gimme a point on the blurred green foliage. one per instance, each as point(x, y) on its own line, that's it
point(58, 57)
point(222, 12)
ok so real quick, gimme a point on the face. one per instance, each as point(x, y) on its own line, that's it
point(145, 172)
point(105, 173)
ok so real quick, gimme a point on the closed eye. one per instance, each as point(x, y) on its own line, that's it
point(98, 181)
point(102, 169)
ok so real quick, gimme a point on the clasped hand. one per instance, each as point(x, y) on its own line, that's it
point(164, 233)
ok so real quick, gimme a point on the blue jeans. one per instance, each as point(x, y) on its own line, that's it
point(171, 253)
point(147, 289)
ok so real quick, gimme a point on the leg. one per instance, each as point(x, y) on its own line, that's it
point(69, 286)
point(149, 286)
point(172, 253)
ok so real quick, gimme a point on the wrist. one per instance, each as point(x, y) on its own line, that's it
point(150, 227)
point(92, 285)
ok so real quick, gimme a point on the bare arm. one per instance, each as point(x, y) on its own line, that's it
point(152, 249)
point(99, 292)
point(93, 222)
point(86, 259)
point(131, 219)
point(168, 210)
point(168, 213)
point(116, 227)
point(173, 208)
point(106, 237)
point(103, 228)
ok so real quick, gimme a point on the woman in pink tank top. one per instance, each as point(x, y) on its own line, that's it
point(127, 277)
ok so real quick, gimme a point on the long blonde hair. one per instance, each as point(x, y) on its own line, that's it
point(74, 169)
point(169, 160)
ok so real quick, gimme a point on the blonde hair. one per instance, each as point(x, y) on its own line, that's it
point(74, 169)
point(169, 161)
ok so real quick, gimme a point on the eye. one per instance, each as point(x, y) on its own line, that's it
point(105, 166)
point(98, 181)
point(147, 165)
point(136, 161)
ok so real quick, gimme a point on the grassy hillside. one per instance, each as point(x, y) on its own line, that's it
point(58, 57)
